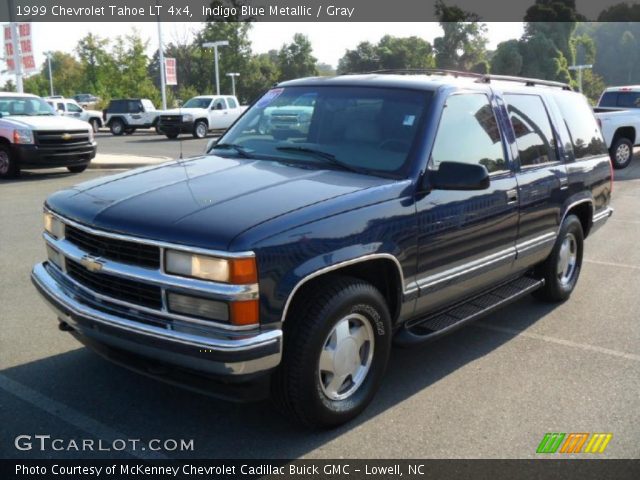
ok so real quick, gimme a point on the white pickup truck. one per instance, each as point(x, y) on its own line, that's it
point(618, 113)
point(33, 136)
point(71, 108)
point(201, 114)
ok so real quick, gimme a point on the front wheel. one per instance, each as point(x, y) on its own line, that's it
point(561, 269)
point(336, 349)
point(8, 164)
point(621, 153)
point(200, 129)
point(116, 126)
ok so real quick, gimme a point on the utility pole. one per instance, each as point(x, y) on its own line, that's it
point(17, 59)
point(48, 54)
point(233, 82)
point(215, 45)
point(579, 68)
point(162, 72)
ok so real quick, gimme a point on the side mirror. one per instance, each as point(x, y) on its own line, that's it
point(458, 176)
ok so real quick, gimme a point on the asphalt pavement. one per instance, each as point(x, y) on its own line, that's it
point(490, 390)
point(148, 143)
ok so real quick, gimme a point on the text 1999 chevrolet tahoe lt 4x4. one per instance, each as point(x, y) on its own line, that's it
point(411, 205)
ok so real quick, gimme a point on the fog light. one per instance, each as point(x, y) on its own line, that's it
point(198, 307)
point(55, 257)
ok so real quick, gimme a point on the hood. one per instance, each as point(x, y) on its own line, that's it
point(203, 202)
point(45, 122)
point(182, 111)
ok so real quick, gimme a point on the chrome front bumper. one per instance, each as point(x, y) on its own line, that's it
point(218, 353)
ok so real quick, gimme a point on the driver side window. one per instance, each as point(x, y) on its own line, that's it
point(219, 104)
point(468, 133)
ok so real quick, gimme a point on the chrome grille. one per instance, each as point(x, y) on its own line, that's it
point(123, 251)
point(115, 287)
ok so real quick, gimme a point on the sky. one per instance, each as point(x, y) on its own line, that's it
point(329, 40)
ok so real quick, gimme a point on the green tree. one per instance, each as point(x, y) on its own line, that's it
point(507, 59)
point(96, 63)
point(8, 86)
point(389, 53)
point(464, 41)
point(296, 59)
point(542, 59)
point(129, 76)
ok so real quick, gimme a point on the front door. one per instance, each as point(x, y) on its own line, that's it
point(466, 239)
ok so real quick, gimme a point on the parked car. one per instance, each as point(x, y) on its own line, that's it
point(201, 114)
point(70, 108)
point(412, 205)
point(127, 115)
point(85, 99)
point(32, 136)
point(277, 121)
point(618, 113)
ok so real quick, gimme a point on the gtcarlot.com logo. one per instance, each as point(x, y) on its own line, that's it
point(44, 443)
point(574, 442)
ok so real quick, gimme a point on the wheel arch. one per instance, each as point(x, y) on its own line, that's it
point(382, 270)
point(625, 132)
point(583, 209)
point(118, 117)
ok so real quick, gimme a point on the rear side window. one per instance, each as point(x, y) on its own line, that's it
point(586, 136)
point(629, 99)
point(609, 99)
point(468, 132)
point(117, 106)
point(232, 102)
point(534, 135)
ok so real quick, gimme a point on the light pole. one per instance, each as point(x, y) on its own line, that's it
point(162, 72)
point(233, 82)
point(48, 54)
point(215, 45)
point(579, 68)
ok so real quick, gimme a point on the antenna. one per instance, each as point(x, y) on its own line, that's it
point(179, 137)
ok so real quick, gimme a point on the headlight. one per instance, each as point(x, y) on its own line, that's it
point(187, 117)
point(53, 226)
point(236, 270)
point(22, 136)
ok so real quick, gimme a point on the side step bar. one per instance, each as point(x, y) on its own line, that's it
point(425, 329)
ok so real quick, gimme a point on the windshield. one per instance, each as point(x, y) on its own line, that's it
point(370, 130)
point(197, 103)
point(21, 106)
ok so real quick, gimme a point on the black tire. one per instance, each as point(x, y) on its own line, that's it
point(117, 127)
point(172, 136)
point(621, 153)
point(95, 124)
point(558, 287)
point(200, 129)
point(9, 167)
point(77, 168)
point(298, 388)
point(158, 130)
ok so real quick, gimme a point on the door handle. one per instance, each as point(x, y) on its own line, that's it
point(512, 196)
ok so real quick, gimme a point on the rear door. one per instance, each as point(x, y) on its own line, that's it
point(466, 239)
point(543, 182)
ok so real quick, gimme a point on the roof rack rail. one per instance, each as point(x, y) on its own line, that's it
point(480, 77)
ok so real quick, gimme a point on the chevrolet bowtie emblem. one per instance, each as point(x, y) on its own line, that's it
point(92, 264)
point(66, 136)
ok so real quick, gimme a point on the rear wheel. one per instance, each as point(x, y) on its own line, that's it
point(337, 343)
point(77, 168)
point(116, 126)
point(561, 269)
point(8, 164)
point(621, 153)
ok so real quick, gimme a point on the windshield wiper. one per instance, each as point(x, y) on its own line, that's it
point(232, 146)
point(328, 157)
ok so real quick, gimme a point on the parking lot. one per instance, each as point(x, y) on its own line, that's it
point(491, 390)
point(148, 143)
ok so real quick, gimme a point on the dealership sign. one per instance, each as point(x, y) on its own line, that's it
point(25, 48)
point(171, 76)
